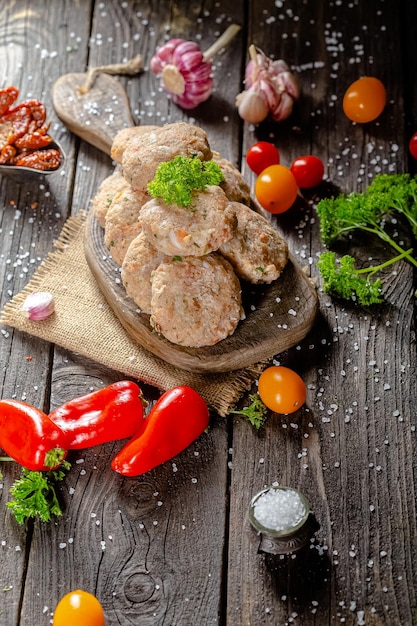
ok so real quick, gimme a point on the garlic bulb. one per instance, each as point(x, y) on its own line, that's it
point(39, 305)
point(186, 72)
point(272, 82)
point(251, 105)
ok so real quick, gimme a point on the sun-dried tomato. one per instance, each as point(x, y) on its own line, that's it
point(24, 133)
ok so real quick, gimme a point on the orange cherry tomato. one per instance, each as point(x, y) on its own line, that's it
point(281, 389)
point(276, 189)
point(78, 608)
point(364, 100)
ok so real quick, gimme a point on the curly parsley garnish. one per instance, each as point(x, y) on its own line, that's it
point(34, 494)
point(387, 197)
point(256, 412)
point(176, 180)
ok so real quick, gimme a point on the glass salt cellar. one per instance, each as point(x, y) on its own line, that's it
point(287, 530)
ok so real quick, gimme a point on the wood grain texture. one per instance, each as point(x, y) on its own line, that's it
point(174, 547)
point(278, 316)
point(351, 449)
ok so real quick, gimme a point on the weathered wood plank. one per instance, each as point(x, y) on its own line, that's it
point(156, 544)
point(31, 217)
point(163, 562)
point(351, 451)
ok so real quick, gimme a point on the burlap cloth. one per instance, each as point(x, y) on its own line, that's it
point(84, 323)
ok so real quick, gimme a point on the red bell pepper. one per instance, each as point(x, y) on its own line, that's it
point(114, 412)
point(177, 419)
point(30, 437)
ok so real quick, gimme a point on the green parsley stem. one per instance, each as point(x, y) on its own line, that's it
point(375, 268)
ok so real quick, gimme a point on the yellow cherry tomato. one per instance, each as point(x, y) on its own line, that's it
point(276, 188)
point(78, 608)
point(364, 100)
point(281, 389)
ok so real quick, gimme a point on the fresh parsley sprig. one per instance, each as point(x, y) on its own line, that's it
point(256, 412)
point(341, 279)
point(175, 180)
point(34, 494)
point(387, 196)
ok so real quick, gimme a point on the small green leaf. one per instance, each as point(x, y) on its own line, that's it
point(256, 412)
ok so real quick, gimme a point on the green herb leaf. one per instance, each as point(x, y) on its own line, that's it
point(176, 180)
point(342, 280)
point(256, 412)
point(387, 196)
point(34, 494)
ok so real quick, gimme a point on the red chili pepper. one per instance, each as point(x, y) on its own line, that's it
point(176, 420)
point(30, 437)
point(114, 412)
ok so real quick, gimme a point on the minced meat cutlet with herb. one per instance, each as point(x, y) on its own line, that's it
point(141, 158)
point(196, 301)
point(108, 189)
point(189, 231)
point(141, 259)
point(256, 250)
point(234, 185)
point(126, 136)
point(122, 222)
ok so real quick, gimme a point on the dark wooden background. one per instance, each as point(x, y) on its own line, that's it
point(173, 547)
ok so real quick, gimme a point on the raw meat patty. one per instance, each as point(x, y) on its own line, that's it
point(141, 158)
point(257, 251)
point(191, 231)
point(122, 222)
point(196, 301)
point(234, 185)
point(108, 189)
point(140, 261)
point(124, 137)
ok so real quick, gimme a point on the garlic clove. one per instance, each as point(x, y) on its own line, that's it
point(163, 55)
point(252, 106)
point(286, 81)
point(279, 66)
point(187, 56)
point(271, 95)
point(39, 305)
point(284, 108)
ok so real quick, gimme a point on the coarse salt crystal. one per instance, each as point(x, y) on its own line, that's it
point(279, 509)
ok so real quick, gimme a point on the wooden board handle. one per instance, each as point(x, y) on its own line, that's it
point(95, 116)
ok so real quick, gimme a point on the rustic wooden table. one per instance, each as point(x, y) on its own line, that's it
point(173, 547)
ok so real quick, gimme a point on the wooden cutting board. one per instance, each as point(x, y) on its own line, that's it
point(278, 316)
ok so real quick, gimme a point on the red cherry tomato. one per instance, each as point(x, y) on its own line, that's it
point(281, 389)
point(78, 608)
point(413, 146)
point(261, 155)
point(276, 189)
point(308, 171)
point(364, 100)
